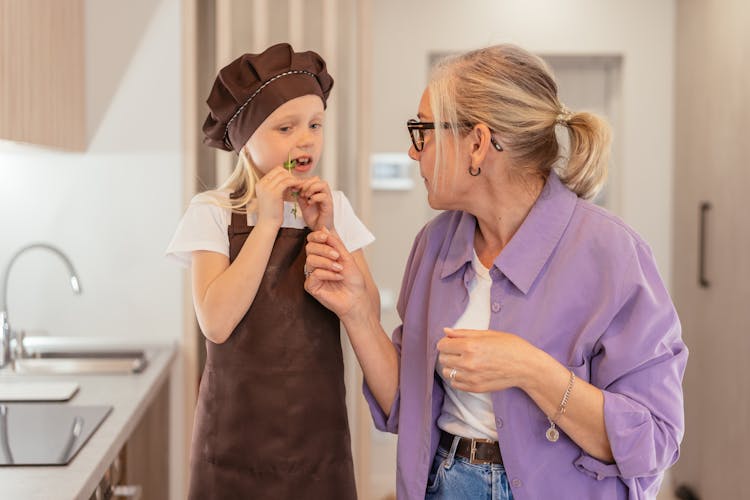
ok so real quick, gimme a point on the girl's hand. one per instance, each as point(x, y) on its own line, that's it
point(485, 360)
point(316, 203)
point(333, 276)
point(270, 191)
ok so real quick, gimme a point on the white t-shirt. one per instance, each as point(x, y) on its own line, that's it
point(204, 226)
point(470, 414)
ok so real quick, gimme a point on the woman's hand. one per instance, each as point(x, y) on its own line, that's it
point(333, 276)
point(316, 203)
point(485, 360)
point(270, 191)
point(341, 281)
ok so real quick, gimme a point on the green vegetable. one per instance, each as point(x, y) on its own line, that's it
point(289, 165)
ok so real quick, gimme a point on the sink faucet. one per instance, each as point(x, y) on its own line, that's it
point(6, 355)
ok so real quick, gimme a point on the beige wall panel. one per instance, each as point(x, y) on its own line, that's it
point(42, 72)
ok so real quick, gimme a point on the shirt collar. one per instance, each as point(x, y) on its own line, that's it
point(525, 255)
point(461, 247)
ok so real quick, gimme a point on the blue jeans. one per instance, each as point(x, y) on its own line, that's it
point(455, 478)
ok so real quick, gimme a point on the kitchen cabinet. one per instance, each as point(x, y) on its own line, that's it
point(42, 73)
point(146, 453)
point(711, 244)
point(141, 468)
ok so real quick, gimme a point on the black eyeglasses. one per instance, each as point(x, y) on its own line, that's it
point(416, 130)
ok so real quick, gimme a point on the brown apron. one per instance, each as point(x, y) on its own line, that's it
point(271, 417)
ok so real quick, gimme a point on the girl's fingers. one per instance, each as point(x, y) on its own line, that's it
point(314, 185)
point(312, 181)
point(278, 173)
point(285, 181)
point(321, 198)
point(318, 187)
point(281, 186)
point(275, 173)
point(272, 181)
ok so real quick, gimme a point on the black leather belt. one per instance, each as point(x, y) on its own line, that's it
point(477, 451)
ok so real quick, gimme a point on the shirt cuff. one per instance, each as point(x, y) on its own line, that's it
point(596, 468)
point(382, 422)
point(631, 432)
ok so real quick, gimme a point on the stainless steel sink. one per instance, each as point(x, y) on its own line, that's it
point(81, 361)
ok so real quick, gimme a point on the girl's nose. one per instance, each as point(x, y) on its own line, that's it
point(305, 138)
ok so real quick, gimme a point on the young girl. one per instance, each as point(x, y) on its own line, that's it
point(271, 417)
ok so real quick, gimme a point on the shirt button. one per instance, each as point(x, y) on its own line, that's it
point(516, 483)
point(495, 307)
point(499, 422)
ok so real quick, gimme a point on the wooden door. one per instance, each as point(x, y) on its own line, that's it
point(711, 180)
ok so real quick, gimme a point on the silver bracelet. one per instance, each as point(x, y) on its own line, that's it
point(552, 433)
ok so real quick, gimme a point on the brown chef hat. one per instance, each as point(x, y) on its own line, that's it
point(252, 86)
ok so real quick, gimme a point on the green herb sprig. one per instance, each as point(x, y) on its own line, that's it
point(289, 165)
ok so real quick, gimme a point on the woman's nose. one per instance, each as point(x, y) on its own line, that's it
point(413, 153)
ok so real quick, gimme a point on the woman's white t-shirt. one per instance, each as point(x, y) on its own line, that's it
point(470, 414)
point(204, 226)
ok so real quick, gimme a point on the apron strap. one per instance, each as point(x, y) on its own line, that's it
point(239, 220)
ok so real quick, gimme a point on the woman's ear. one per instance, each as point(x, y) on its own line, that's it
point(479, 143)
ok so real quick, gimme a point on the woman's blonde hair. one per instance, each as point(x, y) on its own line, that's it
point(513, 92)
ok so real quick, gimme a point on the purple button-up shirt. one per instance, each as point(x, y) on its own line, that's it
point(578, 283)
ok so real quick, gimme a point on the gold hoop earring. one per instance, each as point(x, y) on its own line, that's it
point(473, 172)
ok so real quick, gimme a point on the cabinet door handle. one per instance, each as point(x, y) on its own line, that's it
point(134, 492)
point(702, 280)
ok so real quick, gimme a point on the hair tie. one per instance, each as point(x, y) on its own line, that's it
point(564, 116)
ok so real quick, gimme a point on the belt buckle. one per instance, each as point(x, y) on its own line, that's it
point(472, 456)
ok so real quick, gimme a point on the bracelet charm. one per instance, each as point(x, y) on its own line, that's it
point(552, 433)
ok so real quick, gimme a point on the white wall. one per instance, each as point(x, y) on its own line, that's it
point(641, 31)
point(112, 208)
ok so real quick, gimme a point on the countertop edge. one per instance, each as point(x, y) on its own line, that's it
point(134, 418)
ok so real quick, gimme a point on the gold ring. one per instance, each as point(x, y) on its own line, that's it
point(304, 270)
point(452, 375)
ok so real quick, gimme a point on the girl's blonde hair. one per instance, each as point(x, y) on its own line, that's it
point(241, 186)
point(513, 92)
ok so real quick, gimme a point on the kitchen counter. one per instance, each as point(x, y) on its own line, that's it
point(129, 395)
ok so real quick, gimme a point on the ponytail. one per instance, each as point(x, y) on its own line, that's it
point(588, 155)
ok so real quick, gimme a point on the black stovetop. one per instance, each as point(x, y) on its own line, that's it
point(46, 433)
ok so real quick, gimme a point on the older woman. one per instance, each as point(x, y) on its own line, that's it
point(539, 354)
